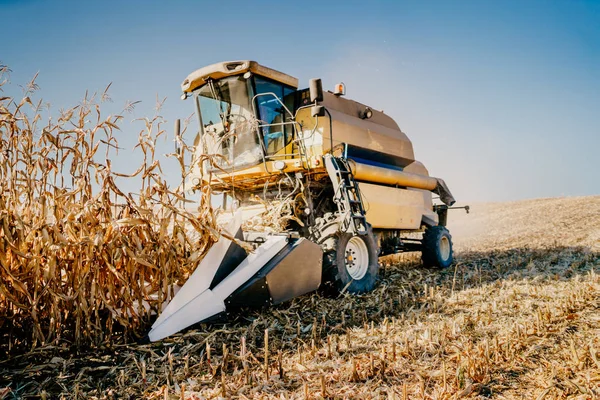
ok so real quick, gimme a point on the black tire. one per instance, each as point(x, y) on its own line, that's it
point(342, 278)
point(437, 247)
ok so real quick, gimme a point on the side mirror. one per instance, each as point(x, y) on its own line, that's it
point(177, 135)
point(316, 90)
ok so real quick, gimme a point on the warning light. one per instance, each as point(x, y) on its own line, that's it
point(340, 89)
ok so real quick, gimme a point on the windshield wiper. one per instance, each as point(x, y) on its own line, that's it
point(219, 98)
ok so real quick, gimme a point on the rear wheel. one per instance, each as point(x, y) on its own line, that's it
point(437, 247)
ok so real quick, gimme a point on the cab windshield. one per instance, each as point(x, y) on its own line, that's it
point(243, 133)
point(230, 128)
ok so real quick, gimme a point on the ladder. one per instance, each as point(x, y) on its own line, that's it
point(346, 195)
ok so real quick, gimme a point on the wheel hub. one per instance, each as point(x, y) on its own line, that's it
point(445, 247)
point(356, 258)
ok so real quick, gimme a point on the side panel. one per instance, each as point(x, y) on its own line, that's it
point(299, 273)
point(429, 216)
point(392, 208)
point(379, 133)
point(294, 271)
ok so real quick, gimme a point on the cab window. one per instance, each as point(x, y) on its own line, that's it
point(277, 134)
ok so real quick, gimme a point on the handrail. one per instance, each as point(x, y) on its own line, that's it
point(293, 122)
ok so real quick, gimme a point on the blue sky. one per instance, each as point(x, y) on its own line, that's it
point(501, 99)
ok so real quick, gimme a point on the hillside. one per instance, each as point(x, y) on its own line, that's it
point(538, 223)
point(517, 317)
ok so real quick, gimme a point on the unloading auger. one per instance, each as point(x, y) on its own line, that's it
point(345, 172)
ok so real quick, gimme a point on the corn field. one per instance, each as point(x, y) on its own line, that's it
point(81, 261)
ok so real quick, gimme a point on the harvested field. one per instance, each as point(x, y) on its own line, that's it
point(517, 317)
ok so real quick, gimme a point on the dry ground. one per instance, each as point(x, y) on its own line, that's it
point(517, 317)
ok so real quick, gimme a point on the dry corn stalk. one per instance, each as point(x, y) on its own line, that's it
point(79, 258)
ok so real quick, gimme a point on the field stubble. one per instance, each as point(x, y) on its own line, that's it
point(505, 322)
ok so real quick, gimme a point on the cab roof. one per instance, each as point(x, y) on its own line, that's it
point(229, 68)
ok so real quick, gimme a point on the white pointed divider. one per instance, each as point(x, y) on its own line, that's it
point(196, 302)
point(204, 273)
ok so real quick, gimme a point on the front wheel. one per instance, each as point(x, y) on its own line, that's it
point(356, 262)
point(437, 247)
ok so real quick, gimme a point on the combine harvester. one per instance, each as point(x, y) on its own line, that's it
point(345, 171)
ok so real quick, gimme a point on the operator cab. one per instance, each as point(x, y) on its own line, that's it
point(245, 112)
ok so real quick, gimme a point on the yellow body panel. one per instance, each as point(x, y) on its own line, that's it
point(392, 208)
point(230, 68)
point(254, 177)
point(291, 165)
point(379, 133)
